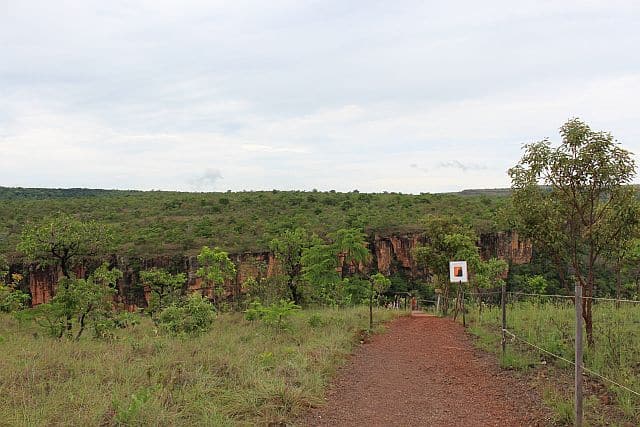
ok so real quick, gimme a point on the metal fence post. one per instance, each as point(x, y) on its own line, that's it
point(578, 357)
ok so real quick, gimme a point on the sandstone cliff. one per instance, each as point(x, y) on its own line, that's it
point(390, 255)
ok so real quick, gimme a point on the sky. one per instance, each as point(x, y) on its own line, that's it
point(406, 96)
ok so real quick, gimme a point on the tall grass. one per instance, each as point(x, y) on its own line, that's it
point(550, 324)
point(240, 373)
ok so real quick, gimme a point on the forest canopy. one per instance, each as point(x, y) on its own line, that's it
point(155, 223)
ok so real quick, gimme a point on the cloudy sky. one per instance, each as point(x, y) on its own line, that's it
point(411, 96)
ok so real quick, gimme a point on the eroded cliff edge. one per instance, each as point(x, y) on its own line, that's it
point(391, 254)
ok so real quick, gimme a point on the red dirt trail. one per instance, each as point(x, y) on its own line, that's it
point(424, 371)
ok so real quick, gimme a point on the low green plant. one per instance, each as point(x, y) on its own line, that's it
point(126, 412)
point(276, 315)
point(315, 321)
point(563, 412)
point(194, 316)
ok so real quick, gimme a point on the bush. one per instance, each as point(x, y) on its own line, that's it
point(11, 298)
point(276, 314)
point(194, 317)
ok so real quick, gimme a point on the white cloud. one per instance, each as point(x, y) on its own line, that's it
point(288, 95)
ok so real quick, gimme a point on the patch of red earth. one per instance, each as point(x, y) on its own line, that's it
point(425, 371)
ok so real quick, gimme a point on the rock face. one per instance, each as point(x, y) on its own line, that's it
point(392, 254)
point(506, 245)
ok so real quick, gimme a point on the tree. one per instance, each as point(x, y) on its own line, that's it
point(574, 200)
point(62, 239)
point(632, 264)
point(165, 288)
point(215, 268)
point(11, 298)
point(448, 239)
point(319, 268)
point(82, 299)
point(490, 273)
point(379, 284)
point(288, 248)
point(350, 244)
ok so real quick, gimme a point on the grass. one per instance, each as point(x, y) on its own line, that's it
point(550, 325)
point(239, 373)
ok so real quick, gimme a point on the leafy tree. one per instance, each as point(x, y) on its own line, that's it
point(288, 248)
point(62, 238)
point(536, 284)
point(351, 245)
point(11, 298)
point(266, 289)
point(328, 277)
point(574, 200)
point(379, 284)
point(490, 273)
point(319, 268)
point(621, 251)
point(631, 264)
point(88, 299)
point(215, 268)
point(449, 239)
point(165, 288)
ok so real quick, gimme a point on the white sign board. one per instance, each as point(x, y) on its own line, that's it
point(458, 272)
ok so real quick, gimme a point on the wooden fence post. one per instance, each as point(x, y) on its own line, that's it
point(504, 319)
point(464, 320)
point(578, 357)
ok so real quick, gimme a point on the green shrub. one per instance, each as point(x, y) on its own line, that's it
point(315, 321)
point(193, 317)
point(11, 298)
point(276, 314)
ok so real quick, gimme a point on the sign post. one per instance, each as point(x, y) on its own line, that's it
point(458, 274)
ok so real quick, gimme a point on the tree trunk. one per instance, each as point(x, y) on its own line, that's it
point(64, 266)
point(587, 312)
point(82, 317)
point(560, 267)
point(293, 287)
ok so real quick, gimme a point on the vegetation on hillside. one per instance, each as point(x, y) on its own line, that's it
point(166, 223)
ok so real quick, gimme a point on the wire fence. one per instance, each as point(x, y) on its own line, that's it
point(606, 318)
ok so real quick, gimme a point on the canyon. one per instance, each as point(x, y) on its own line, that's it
point(391, 254)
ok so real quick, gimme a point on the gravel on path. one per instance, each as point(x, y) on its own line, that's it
point(425, 371)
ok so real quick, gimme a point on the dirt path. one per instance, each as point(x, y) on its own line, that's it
point(425, 371)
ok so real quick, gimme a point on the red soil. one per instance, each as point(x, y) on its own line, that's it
point(425, 371)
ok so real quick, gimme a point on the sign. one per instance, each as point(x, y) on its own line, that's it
point(458, 272)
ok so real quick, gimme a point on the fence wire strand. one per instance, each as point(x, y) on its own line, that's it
point(573, 297)
point(514, 336)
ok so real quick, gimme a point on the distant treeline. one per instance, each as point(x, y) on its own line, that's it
point(150, 223)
